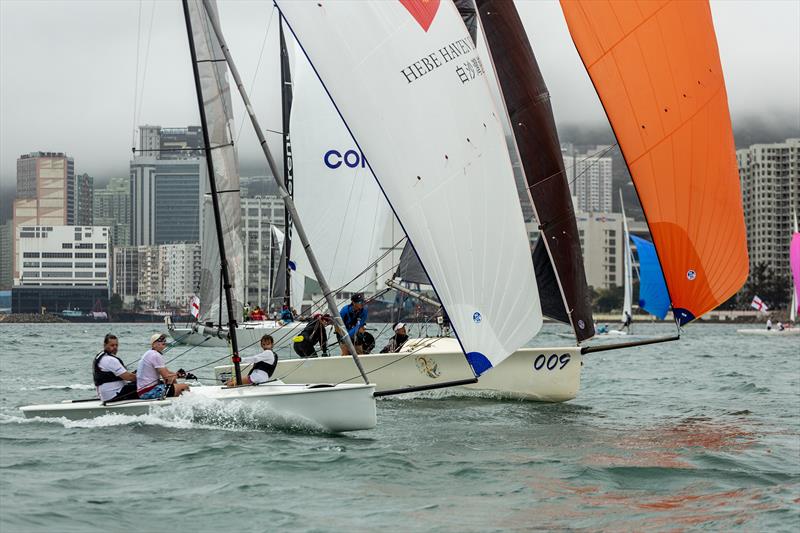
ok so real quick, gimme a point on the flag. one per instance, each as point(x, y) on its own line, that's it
point(758, 304)
point(194, 306)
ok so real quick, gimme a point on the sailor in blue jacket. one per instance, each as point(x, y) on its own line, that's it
point(354, 316)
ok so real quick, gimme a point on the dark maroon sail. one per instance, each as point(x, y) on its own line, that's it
point(531, 116)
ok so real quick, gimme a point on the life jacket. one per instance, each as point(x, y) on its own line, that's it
point(103, 376)
point(269, 368)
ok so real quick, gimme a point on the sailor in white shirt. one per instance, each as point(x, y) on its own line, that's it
point(112, 379)
point(263, 364)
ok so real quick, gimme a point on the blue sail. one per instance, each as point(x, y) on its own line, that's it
point(653, 295)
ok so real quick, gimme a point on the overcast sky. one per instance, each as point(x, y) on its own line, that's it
point(68, 71)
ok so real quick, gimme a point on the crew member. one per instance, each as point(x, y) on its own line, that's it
point(314, 333)
point(153, 378)
point(354, 316)
point(263, 364)
point(111, 377)
point(396, 342)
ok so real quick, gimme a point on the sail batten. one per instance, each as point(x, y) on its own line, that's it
point(441, 164)
point(657, 71)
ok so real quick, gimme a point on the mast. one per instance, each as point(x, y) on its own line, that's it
point(288, 178)
point(627, 306)
point(287, 199)
point(226, 283)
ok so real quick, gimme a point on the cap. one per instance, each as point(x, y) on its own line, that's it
point(399, 325)
point(357, 298)
point(156, 336)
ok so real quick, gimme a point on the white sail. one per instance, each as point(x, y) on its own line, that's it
point(627, 309)
point(342, 208)
point(219, 122)
point(298, 275)
point(409, 85)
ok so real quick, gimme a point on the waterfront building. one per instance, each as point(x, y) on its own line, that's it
point(61, 268)
point(6, 255)
point(112, 207)
point(181, 267)
point(589, 176)
point(159, 276)
point(770, 179)
point(45, 193)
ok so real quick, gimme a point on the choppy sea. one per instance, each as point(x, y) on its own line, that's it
point(698, 434)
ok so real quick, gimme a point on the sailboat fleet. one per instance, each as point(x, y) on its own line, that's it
point(439, 117)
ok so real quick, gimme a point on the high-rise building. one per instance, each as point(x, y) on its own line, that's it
point(261, 251)
point(112, 207)
point(61, 267)
point(84, 191)
point(170, 143)
point(589, 176)
point(166, 200)
point(770, 178)
point(167, 186)
point(45, 192)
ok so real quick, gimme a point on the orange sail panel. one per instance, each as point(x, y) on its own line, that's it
point(656, 67)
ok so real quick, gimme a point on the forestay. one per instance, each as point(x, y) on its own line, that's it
point(213, 73)
point(343, 209)
point(406, 79)
point(656, 68)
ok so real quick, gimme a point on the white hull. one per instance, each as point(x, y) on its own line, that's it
point(247, 334)
point(525, 374)
point(337, 408)
point(771, 332)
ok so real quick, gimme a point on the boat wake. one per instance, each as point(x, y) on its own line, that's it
point(190, 412)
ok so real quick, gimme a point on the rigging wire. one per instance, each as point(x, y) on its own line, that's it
point(258, 66)
point(146, 62)
point(136, 77)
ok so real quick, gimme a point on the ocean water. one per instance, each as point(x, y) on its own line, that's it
point(702, 433)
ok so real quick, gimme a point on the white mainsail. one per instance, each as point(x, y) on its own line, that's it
point(411, 89)
point(219, 120)
point(343, 210)
point(298, 275)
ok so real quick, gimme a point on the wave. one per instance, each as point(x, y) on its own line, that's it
point(75, 386)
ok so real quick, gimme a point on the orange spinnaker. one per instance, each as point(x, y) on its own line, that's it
point(656, 68)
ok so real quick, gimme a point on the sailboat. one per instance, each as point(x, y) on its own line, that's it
point(209, 329)
point(701, 252)
point(336, 408)
point(427, 363)
point(794, 263)
point(653, 295)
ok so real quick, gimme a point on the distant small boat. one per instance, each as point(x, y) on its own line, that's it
point(771, 332)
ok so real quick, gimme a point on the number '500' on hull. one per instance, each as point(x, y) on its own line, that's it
point(541, 374)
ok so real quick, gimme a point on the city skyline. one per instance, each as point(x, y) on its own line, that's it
point(85, 103)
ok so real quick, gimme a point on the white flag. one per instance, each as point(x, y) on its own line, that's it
point(194, 306)
point(758, 304)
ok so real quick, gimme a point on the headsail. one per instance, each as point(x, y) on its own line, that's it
point(653, 295)
point(219, 123)
point(656, 67)
point(527, 103)
point(441, 161)
point(342, 207)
